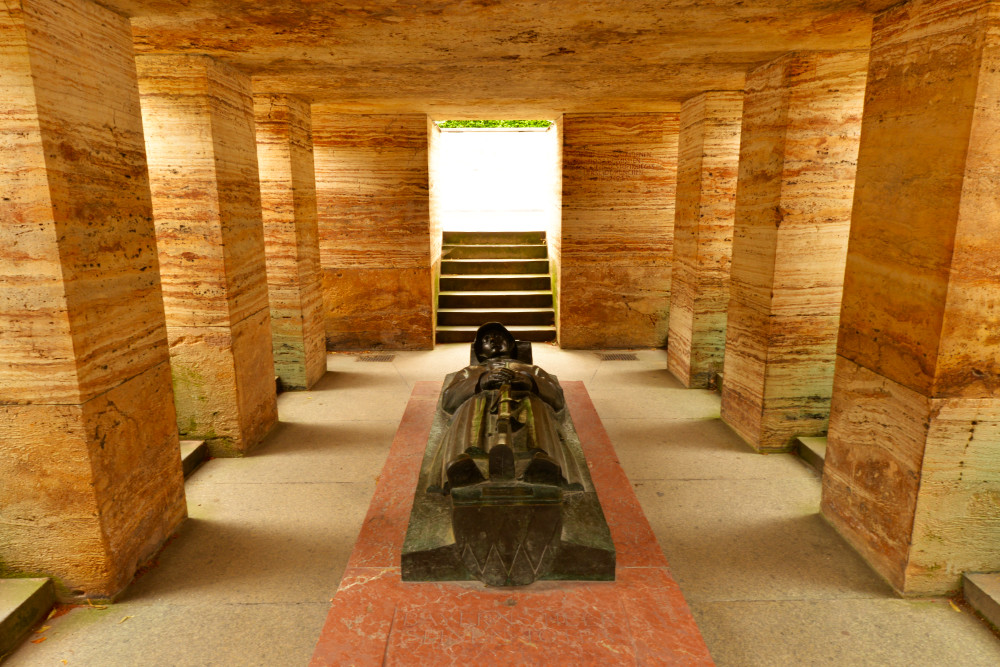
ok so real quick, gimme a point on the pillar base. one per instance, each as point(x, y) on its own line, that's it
point(913, 483)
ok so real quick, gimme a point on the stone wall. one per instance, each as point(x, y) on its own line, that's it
point(89, 458)
point(199, 124)
point(912, 475)
point(291, 238)
point(798, 155)
point(708, 164)
point(619, 179)
point(553, 231)
point(374, 230)
point(435, 210)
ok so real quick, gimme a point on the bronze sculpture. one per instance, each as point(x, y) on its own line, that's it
point(503, 450)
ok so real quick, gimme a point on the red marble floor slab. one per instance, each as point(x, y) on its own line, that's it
point(376, 619)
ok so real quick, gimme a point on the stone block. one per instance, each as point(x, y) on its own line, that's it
point(372, 185)
point(89, 458)
point(708, 162)
point(812, 450)
point(912, 481)
point(619, 178)
point(389, 309)
point(921, 312)
point(800, 136)
point(252, 355)
point(291, 238)
point(23, 603)
point(137, 475)
point(912, 455)
point(81, 303)
point(372, 190)
point(198, 118)
point(614, 306)
point(982, 592)
point(224, 384)
point(106, 496)
point(48, 505)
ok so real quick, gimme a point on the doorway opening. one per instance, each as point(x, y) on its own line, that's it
point(496, 195)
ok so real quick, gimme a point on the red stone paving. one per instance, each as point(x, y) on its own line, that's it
point(376, 619)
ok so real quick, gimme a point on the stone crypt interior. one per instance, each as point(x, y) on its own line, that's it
point(785, 212)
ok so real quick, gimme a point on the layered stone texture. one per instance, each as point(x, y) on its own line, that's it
point(291, 238)
point(199, 122)
point(707, 168)
point(553, 232)
point(89, 454)
point(435, 207)
point(798, 156)
point(492, 59)
point(374, 230)
point(912, 475)
point(619, 183)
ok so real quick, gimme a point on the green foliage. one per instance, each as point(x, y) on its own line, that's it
point(494, 123)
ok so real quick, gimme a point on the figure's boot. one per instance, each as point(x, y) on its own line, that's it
point(501, 463)
point(463, 471)
point(543, 470)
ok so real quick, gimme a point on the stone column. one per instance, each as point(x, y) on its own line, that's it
point(198, 117)
point(619, 181)
point(707, 165)
point(89, 459)
point(291, 245)
point(373, 196)
point(798, 154)
point(912, 474)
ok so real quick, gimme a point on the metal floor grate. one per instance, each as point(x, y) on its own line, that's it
point(617, 356)
point(376, 357)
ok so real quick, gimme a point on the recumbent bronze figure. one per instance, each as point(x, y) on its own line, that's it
point(504, 494)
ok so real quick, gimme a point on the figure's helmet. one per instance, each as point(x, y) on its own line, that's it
point(493, 341)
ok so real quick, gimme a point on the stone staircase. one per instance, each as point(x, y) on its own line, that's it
point(495, 277)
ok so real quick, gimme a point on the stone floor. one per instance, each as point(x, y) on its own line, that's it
point(248, 579)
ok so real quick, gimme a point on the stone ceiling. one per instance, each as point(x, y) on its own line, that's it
point(512, 58)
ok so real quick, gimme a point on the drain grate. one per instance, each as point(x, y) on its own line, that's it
point(376, 357)
point(617, 356)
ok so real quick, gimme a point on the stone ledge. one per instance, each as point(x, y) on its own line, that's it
point(23, 603)
point(193, 454)
point(982, 592)
point(812, 451)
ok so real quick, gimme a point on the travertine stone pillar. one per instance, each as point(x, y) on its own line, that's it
point(707, 165)
point(90, 470)
point(198, 118)
point(291, 245)
point(373, 196)
point(619, 182)
point(912, 474)
point(798, 154)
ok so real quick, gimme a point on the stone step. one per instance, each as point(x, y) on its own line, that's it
point(495, 283)
point(507, 316)
point(505, 299)
point(468, 334)
point(812, 451)
point(982, 592)
point(493, 238)
point(23, 603)
point(466, 267)
point(193, 454)
point(494, 252)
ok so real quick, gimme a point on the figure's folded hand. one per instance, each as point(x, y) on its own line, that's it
point(497, 378)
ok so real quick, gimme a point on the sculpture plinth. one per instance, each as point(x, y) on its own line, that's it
point(504, 494)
